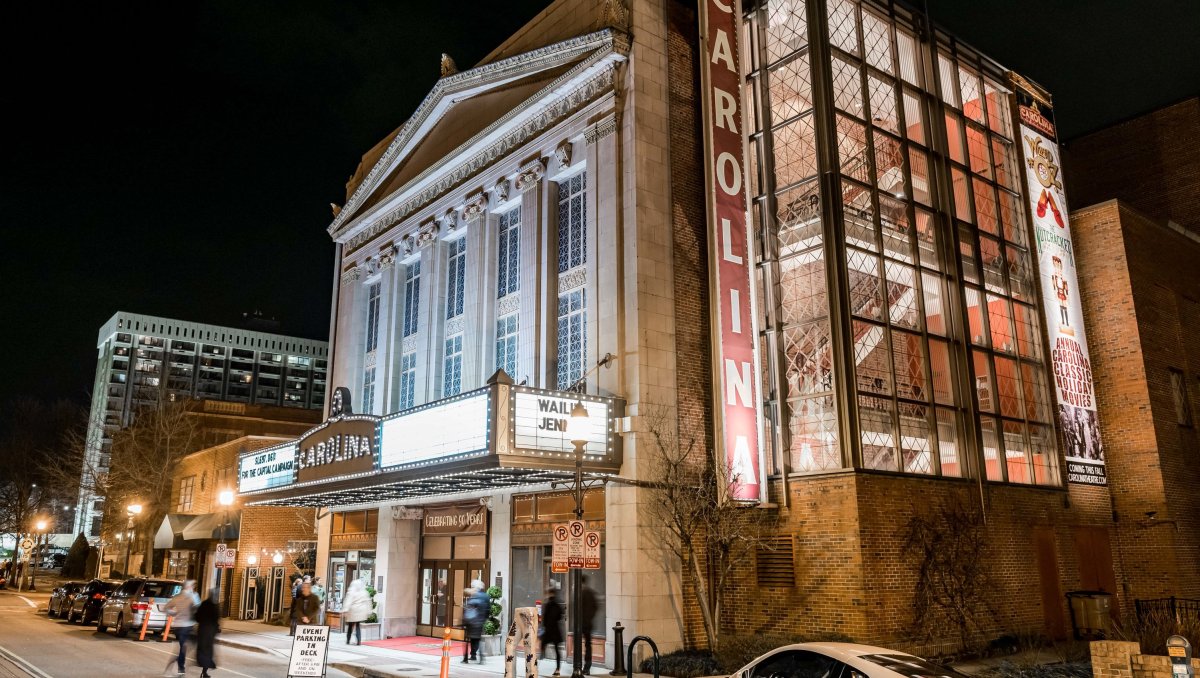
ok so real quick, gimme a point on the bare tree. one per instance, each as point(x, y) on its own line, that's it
point(145, 455)
point(31, 437)
point(691, 511)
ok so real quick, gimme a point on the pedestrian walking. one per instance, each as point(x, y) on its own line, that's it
point(319, 591)
point(182, 609)
point(551, 633)
point(587, 614)
point(476, 606)
point(305, 606)
point(296, 584)
point(208, 625)
point(356, 607)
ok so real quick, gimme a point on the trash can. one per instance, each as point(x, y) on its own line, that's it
point(1091, 613)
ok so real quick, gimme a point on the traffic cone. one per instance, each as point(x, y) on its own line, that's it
point(445, 654)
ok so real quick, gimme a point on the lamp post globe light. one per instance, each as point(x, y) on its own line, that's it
point(577, 430)
point(36, 553)
point(225, 499)
point(132, 510)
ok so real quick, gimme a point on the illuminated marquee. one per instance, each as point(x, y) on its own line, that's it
point(1077, 416)
point(341, 446)
point(270, 467)
point(735, 351)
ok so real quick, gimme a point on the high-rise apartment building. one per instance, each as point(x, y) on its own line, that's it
point(142, 358)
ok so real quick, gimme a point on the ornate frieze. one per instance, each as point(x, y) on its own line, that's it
point(563, 154)
point(455, 325)
point(350, 275)
point(508, 304)
point(427, 235)
point(549, 115)
point(600, 129)
point(529, 175)
point(475, 207)
point(576, 277)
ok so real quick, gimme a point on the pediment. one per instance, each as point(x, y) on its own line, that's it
point(465, 107)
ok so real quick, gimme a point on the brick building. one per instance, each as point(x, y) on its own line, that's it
point(876, 322)
point(198, 521)
point(1142, 302)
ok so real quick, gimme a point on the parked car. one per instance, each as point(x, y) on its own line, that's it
point(841, 660)
point(86, 605)
point(62, 597)
point(127, 606)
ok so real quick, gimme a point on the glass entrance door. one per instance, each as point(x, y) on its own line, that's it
point(442, 595)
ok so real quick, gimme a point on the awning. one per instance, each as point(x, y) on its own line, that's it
point(209, 526)
point(169, 532)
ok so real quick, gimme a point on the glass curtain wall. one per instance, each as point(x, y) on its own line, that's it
point(943, 333)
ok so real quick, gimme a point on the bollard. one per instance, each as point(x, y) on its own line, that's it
point(145, 624)
point(166, 630)
point(619, 651)
point(445, 654)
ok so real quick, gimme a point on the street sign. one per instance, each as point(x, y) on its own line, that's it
point(558, 555)
point(309, 650)
point(26, 544)
point(575, 543)
point(224, 557)
point(591, 550)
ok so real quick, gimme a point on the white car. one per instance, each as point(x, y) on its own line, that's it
point(841, 660)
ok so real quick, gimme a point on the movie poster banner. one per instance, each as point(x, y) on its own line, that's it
point(1060, 287)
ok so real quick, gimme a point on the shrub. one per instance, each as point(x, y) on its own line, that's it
point(737, 651)
point(1153, 630)
point(1058, 670)
point(77, 557)
point(684, 664)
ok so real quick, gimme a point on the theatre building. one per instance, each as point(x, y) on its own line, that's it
point(826, 237)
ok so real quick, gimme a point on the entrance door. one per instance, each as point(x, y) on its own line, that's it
point(442, 586)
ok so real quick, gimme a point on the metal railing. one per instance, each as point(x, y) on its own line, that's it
point(1180, 609)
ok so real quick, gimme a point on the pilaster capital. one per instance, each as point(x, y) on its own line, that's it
point(530, 175)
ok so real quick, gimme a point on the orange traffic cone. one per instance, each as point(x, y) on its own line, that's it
point(445, 654)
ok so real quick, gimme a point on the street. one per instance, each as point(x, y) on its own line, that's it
point(52, 647)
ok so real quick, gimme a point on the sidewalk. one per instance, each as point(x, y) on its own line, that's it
point(364, 661)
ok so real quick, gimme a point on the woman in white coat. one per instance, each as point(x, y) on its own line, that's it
point(356, 607)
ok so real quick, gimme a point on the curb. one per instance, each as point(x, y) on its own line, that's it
point(356, 670)
point(243, 645)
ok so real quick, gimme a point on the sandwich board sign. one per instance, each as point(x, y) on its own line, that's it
point(310, 648)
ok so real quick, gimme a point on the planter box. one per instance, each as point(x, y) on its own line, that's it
point(371, 631)
point(492, 646)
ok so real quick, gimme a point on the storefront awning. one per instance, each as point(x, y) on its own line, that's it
point(171, 530)
point(179, 528)
point(497, 437)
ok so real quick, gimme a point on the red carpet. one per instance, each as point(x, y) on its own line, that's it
point(418, 644)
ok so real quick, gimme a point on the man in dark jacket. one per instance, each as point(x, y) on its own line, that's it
point(551, 633)
point(587, 614)
point(305, 606)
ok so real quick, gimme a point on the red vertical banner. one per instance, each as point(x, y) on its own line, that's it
point(735, 362)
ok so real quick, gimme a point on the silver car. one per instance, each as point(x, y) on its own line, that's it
point(128, 605)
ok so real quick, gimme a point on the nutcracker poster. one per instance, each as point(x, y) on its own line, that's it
point(1069, 357)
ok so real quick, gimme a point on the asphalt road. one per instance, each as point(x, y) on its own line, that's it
point(60, 650)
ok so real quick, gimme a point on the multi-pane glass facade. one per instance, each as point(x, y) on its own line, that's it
point(452, 366)
point(368, 391)
point(412, 298)
point(572, 337)
point(508, 266)
point(408, 380)
point(894, 271)
point(506, 343)
point(372, 317)
point(572, 222)
point(456, 276)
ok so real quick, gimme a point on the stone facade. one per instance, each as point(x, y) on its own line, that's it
point(1124, 659)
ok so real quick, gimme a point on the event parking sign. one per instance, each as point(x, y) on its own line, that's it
point(309, 649)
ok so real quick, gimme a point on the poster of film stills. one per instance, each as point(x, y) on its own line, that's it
point(1060, 292)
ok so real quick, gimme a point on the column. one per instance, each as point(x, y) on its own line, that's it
point(396, 552)
point(432, 315)
point(347, 359)
point(475, 299)
point(389, 325)
point(500, 548)
point(604, 303)
point(533, 319)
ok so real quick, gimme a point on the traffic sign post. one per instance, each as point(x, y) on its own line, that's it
point(558, 555)
point(575, 543)
point(591, 550)
point(225, 557)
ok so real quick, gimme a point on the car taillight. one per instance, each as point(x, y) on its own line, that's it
point(98, 596)
point(140, 607)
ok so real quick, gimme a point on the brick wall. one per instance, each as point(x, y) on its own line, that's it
point(1139, 295)
point(265, 531)
point(1152, 162)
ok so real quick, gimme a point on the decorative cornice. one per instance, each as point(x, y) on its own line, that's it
point(529, 175)
point(563, 154)
point(450, 220)
point(387, 258)
point(601, 129)
point(456, 324)
point(427, 235)
point(475, 207)
point(576, 277)
point(408, 343)
point(350, 275)
point(501, 189)
point(508, 304)
point(549, 57)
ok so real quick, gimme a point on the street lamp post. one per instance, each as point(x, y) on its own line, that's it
point(577, 431)
point(132, 510)
point(226, 500)
point(41, 530)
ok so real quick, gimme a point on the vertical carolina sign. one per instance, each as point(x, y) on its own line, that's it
point(1060, 287)
point(734, 344)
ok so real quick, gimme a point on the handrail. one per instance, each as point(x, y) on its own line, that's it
point(629, 655)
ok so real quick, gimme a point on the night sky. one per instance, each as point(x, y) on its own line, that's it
point(178, 158)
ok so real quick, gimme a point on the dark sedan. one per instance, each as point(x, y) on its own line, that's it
point(86, 606)
point(62, 598)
